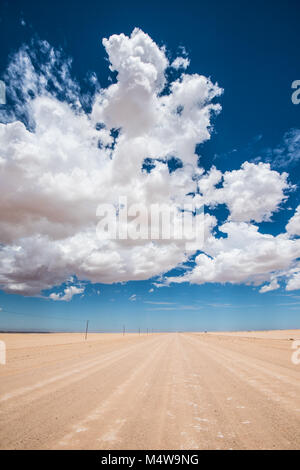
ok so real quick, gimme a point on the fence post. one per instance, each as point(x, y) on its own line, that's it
point(86, 330)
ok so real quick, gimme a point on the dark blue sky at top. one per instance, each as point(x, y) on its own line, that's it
point(251, 48)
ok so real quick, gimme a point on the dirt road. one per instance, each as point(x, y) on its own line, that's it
point(164, 391)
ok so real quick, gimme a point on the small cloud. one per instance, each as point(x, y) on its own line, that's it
point(173, 308)
point(69, 292)
point(180, 63)
point(269, 287)
point(219, 305)
point(287, 152)
point(159, 303)
point(159, 309)
point(158, 285)
point(132, 298)
point(151, 290)
point(289, 304)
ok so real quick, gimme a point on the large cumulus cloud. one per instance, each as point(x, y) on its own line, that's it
point(244, 255)
point(64, 152)
point(59, 161)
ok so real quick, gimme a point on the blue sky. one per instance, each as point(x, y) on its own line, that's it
point(251, 50)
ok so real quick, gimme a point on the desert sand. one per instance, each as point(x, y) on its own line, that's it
point(156, 391)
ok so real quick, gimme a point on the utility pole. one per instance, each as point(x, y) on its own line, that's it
point(147, 331)
point(123, 330)
point(139, 332)
point(86, 330)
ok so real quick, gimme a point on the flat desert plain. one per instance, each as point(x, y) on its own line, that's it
point(158, 391)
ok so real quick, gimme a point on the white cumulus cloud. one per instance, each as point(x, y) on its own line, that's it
point(244, 256)
point(293, 226)
point(64, 152)
point(269, 287)
point(180, 63)
point(58, 162)
point(68, 294)
point(252, 193)
point(294, 281)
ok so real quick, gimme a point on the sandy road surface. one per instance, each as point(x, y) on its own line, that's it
point(167, 391)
